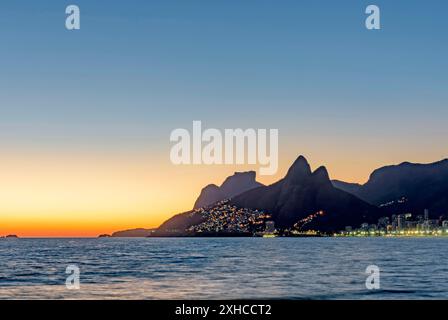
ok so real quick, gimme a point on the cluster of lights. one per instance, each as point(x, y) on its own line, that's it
point(301, 223)
point(224, 217)
point(438, 232)
point(387, 204)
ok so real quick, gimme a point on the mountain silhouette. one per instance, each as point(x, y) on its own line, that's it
point(302, 193)
point(180, 222)
point(232, 186)
point(349, 187)
point(419, 186)
point(139, 232)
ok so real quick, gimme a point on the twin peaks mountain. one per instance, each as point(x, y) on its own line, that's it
point(302, 193)
point(299, 195)
point(232, 186)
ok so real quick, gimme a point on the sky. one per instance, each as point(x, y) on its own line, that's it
point(86, 115)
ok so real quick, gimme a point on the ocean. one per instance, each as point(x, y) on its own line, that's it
point(224, 268)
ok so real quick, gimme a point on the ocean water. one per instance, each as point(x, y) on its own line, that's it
point(224, 268)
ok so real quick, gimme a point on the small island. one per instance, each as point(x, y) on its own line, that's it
point(10, 236)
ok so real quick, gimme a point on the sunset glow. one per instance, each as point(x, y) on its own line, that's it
point(62, 195)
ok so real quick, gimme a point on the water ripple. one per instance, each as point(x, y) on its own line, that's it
point(224, 268)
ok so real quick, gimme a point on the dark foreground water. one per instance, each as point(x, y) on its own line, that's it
point(224, 268)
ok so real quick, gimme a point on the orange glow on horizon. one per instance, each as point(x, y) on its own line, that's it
point(56, 195)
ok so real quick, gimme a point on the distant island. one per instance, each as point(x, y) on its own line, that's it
point(10, 236)
point(404, 199)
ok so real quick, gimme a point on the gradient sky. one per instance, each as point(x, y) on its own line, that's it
point(85, 116)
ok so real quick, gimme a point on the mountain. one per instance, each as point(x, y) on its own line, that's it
point(407, 187)
point(178, 223)
point(301, 194)
point(232, 186)
point(133, 233)
point(349, 187)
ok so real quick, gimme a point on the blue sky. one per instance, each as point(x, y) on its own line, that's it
point(138, 69)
